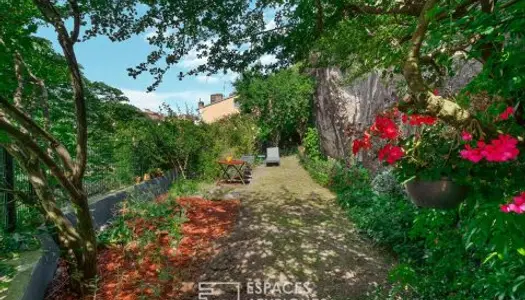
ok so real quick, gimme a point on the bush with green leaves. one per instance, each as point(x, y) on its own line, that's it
point(281, 103)
point(235, 135)
point(451, 254)
point(312, 144)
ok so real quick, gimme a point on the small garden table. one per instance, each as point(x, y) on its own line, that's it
point(235, 164)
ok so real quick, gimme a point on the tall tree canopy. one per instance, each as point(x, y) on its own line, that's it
point(281, 103)
point(410, 37)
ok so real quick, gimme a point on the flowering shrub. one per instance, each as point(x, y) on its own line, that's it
point(420, 146)
point(518, 206)
point(390, 153)
point(499, 150)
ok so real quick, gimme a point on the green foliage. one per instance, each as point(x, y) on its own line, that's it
point(234, 136)
point(150, 211)
point(23, 238)
point(472, 253)
point(432, 152)
point(175, 142)
point(170, 143)
point(320, 169)
point(312, 144)
point(281, 103)
point(184, 187)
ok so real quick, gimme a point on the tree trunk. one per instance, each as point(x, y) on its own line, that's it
point(78, 241)
point(10, 204)
point(86, 254)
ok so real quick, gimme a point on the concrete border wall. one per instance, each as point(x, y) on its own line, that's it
point(102, 210)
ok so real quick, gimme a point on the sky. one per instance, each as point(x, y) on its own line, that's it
point(106, 61)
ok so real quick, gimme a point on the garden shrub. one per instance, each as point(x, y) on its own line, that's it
point(312, 144)
point(442, 254)
point(385, 183)
point(234, 136)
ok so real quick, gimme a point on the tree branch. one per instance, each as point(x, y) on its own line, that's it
point(410, 9)
point(440, 107)
point(26, 140)
point(76, 20)
point(30, 125)
point(52, 16)
point(17, 97)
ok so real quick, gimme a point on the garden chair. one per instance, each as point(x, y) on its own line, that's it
point(272, 156)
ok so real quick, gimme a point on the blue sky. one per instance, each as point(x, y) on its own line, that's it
point(107, 61)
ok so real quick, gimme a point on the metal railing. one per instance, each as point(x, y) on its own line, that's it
point(100, 178)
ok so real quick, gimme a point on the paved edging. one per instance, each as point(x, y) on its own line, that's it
point(101, 211)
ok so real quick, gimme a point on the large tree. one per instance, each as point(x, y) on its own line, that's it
point(30, 65)
point(416, 39)
point(281, 103)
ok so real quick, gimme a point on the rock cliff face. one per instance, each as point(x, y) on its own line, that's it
point(343, 111)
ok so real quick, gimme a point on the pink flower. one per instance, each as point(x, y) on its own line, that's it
point(504, 208)
point(506, 113)
point(499, 150)
point(518, 206)
point(472, 154)
point(466, 136)
point(519, 200)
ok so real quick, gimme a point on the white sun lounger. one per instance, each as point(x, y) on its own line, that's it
point(272, 156)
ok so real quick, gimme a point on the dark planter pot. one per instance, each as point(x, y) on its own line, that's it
point(441, 194)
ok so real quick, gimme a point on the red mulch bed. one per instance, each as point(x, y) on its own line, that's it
point(158, 270)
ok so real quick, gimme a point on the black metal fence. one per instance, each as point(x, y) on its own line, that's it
point(12, 179)
point(102, 176)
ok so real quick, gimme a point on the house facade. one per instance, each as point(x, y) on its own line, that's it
point(218, 108)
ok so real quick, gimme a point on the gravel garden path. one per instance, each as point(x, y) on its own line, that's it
point(292, 241)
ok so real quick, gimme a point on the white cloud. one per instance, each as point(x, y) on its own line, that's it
point(268, 59)
point(195, 58)
point(192, 60)
point(152, 32)
point(207, 79)
point(218, 78)
point(270, 25)
point(154, 100)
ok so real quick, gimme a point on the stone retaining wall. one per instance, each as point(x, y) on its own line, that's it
point(102, 210)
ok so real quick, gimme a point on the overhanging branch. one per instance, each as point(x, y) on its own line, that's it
point(29, 124)
point(27, 141)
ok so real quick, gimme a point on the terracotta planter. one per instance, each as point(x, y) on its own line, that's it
point(441, 194)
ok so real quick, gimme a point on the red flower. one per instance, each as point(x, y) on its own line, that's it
point(385, 127)
point(506, 113)
point(361, 144)
point(417, 120)
point(436, 92)
point(356, 146)
point(390, 153)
